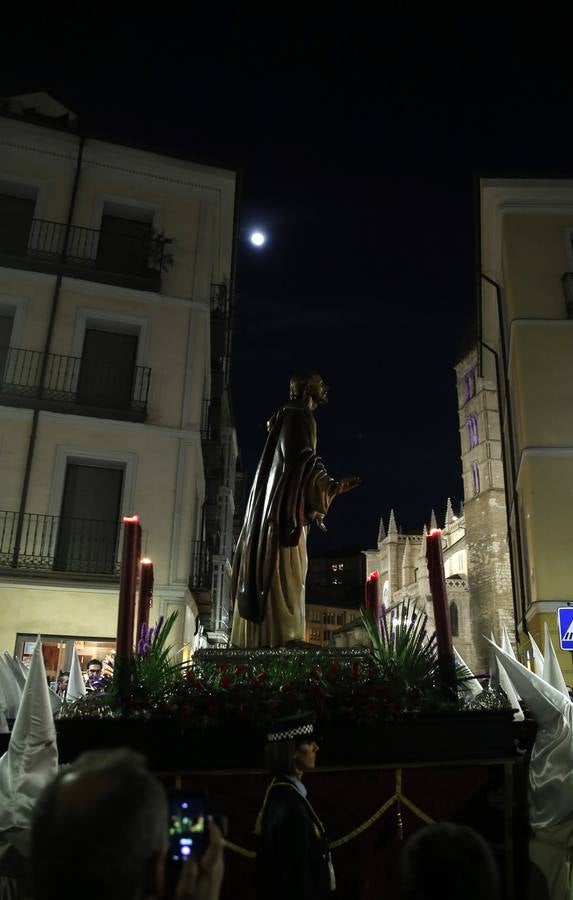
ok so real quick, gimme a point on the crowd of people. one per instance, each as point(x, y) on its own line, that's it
point(104, 821)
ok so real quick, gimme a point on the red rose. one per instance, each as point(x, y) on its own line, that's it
point(223, 666)
point(354, 671)
point(241, 669)
point(226, 681)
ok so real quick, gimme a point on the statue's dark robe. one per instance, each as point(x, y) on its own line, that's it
point(291, 487)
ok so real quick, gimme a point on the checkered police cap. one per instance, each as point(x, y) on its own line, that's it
point(292, 727)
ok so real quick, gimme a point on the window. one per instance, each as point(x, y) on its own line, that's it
point(337, 570)
point(57, 650)
point(315, 634)
point(6, 326)
point(476, 478)
point(340, 619)
point(17, 205)
point(469, 380)
point(88, 532)
point(473, 431)
point(107, 369)
point(314, 615)
point(454, 620)
point(125, 240)
point(326, 635)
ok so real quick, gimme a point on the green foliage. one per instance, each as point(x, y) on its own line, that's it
point(401, 646)
point(398, 677)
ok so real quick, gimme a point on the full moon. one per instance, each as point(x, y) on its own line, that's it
point(257, 238)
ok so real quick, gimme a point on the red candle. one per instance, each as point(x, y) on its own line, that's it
point(127, 585)
point(373, 594)
point(145, 596)
point(441, 607)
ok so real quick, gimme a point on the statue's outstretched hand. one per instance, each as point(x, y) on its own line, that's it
point(348, 483)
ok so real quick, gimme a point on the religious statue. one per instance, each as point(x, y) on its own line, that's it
point(291, 490)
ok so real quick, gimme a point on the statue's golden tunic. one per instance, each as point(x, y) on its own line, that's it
point(291, 489)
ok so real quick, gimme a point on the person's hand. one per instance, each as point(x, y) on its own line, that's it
point(203, 880)
point(319, 520)
point(348, 483)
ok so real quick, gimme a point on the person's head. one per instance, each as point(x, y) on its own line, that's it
point(94, 668)
point(102, 822)
point(308, 386)
point(63, 679)
point(291, 746)
point(447, 862)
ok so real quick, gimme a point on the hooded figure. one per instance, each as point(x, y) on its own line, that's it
point(28, 765)
point(291, 489)
point(550, 775)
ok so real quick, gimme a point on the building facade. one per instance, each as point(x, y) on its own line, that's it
point(526, 309)
point(116, 268)
point(485, 513)
point(335, 591)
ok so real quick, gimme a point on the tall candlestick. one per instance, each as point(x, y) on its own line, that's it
point(145, 596)
point(439, 593)
point(373, 594)
point(127, 584)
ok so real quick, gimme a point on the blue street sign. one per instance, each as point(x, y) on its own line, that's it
point(565, 621)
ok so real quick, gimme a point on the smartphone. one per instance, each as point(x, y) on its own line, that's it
point(188, 833)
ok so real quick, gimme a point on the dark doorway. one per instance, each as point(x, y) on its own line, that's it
point(16, 214)
point(124, 245)
point(89, 526)
point(107, 369)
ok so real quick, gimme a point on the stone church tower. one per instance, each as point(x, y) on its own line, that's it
point(488, 564)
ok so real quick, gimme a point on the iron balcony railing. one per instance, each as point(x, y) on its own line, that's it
point(73, 379)
point(201, 574)
point(59, 544)
point(97, 254)
point(140, 255)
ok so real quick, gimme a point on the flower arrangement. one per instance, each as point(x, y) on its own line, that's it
point(398, 677)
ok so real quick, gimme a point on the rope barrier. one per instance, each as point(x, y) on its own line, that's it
point(397, 798)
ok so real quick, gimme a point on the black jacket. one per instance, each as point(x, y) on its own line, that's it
point(292, 856)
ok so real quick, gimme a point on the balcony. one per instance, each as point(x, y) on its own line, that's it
point(75, 385)
point(128, 260)
point(55, 544)
point(201, 574)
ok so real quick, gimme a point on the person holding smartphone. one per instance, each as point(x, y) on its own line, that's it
point(124, 857)
point(293, 858)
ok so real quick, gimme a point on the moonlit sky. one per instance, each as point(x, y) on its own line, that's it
point(357, 136)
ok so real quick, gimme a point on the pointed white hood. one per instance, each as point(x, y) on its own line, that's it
point(24, 669)
point(551, 766)
point(10, 688)
point(506, 643)
point(31, 760)
point(15, 669)
point(472, 685)
point(493, 667)
point(537, 656)
point(551, 669)
point(76, 684)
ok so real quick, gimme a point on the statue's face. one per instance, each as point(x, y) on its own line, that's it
point(317, 390)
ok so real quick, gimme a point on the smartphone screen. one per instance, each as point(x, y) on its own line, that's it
point(188, 833)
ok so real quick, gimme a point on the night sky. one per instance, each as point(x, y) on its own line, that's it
point(358, 137)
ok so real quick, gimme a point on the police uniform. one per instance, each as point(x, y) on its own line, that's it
point(293, 859)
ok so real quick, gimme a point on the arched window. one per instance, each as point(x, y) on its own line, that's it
point(476, 478)
point(473, 431)
point(454, 620)
point(469, 384)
